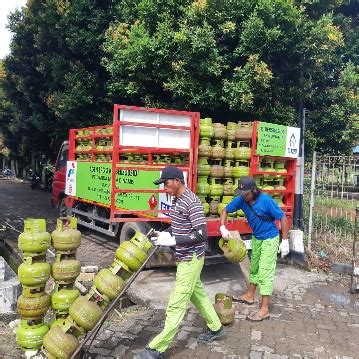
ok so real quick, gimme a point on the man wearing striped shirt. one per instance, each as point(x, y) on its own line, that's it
point(188, 234)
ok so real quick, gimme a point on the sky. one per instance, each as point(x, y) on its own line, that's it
point(6, 7)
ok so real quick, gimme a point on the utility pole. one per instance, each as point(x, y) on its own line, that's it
point(299, 177)
point(311, 206)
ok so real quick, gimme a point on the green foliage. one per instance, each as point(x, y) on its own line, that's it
point(336, 203)
point(242, 59)
point(54, 76)
point(250, 81)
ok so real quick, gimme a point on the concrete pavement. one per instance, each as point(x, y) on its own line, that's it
point(153, 287)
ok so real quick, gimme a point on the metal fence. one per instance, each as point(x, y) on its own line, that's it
point(331, 194)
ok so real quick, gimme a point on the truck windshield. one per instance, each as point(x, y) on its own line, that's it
point(62, 160)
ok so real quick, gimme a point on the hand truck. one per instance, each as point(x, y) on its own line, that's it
point(79, 353)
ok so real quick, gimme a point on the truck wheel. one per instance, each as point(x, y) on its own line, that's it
point(130, 228)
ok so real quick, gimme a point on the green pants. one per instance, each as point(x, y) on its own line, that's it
point(188, 287)
point(263, 263)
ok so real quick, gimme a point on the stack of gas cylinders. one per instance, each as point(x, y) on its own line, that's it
point(62, 339)
point(33, 274)
point(65, 269)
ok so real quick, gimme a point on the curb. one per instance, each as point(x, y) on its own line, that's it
point(10, 256)
point(136, 298)
point(341, 268)
point(299, 260)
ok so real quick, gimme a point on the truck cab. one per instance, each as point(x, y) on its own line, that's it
point(58, 189)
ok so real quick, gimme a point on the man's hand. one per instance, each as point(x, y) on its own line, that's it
point(224, 232)
point(284, 248)
point(164, 239)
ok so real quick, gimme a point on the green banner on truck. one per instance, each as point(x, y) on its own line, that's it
point(92, 181)
point(277, 140)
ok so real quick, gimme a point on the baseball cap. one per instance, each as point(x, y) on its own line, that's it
point(170, 172)
point(245, 185)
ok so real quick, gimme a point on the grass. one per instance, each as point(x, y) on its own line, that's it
point(333, 224)
point(336, 203)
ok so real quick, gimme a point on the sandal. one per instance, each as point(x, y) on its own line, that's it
point(240, 300)
point(256, 317)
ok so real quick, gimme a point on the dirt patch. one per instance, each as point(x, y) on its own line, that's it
point(315, 262)
point(120, 315)
point(332, 248)
point(8, 346)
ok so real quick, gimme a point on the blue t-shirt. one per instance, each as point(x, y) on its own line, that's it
point(264, 206)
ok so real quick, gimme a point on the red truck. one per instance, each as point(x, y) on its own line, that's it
point(104, 174)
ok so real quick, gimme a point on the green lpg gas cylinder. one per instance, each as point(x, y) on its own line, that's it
point(224, 309)
point(108, 283)
point(66, 270)
point(33, 307)
point(131, 255)
point(59, 344)
point(62, 299)
point(233, 249)
point(85, 313)
point(34, 242)
point(65, 238)
point(30, 337)
point(34, 274)
point(141, 241)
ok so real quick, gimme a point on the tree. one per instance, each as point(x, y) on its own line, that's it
point(232, 60)
point(240, 59)
point(54, 76)
point(6, 112)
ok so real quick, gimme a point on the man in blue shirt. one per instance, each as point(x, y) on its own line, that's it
point(261, 212)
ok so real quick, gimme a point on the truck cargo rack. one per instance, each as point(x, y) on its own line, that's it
point(158, 133)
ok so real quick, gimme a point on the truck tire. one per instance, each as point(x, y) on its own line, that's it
point(128, 230)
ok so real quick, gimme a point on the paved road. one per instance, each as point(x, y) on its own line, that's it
point(19, 201)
